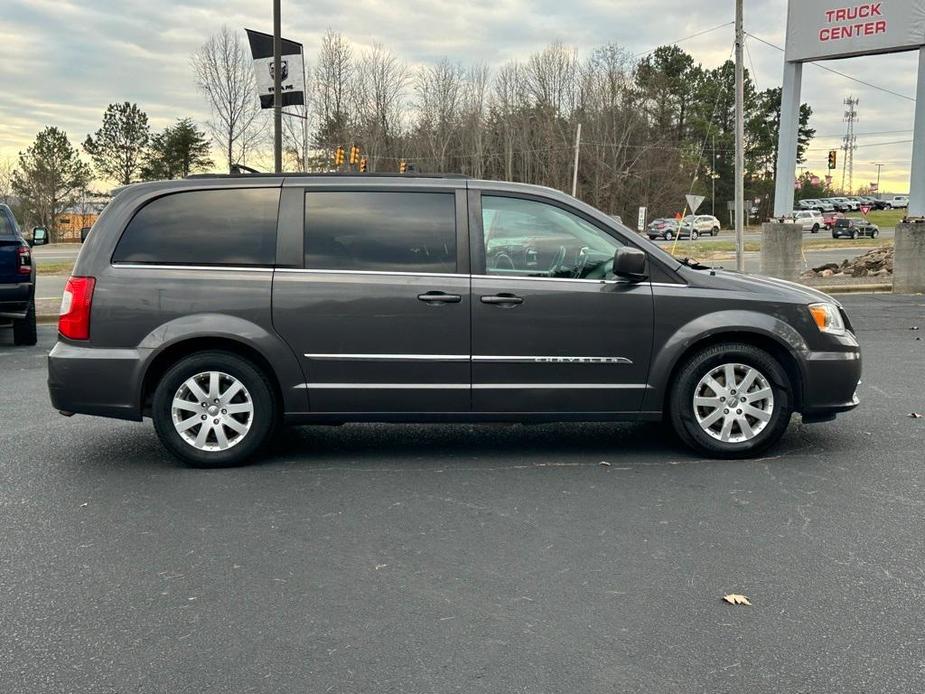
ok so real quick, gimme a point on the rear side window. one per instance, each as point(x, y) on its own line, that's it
point(380, 231)
point(204, 227)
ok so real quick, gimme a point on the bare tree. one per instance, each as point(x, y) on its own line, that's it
point(6, 180)
point(378, 97)
point(439, 90)
point(225, 75)
point(332, 86)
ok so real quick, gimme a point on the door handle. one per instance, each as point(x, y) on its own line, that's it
point(439, 298)
point(507, 300)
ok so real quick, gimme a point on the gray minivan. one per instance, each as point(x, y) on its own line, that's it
point(224, 306)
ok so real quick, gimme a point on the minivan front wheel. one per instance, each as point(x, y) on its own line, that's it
point(731, 401)
point(214, 409)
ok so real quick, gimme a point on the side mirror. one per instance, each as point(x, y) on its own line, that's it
point(630, 263)
point(39, 236)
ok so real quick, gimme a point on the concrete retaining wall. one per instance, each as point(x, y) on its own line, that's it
point(909, 264)
point(781, 250)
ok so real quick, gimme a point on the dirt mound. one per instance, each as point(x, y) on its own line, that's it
point(875, 263)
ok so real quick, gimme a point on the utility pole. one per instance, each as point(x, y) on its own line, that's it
point(713, 177)
point(740, 140)
point(879, 167)
point(575, 170)
point(277, 90)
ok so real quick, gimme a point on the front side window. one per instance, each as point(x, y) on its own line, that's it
point(533, 239)
point(380, 231)
point(204, 227)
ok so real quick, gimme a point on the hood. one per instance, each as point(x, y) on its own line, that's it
point(758, 284)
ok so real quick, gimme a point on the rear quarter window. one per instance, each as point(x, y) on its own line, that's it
point(204, 227)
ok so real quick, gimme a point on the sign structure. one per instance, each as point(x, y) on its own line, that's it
point(641, 222)
point(292, 75)
point(826, 29)
point(694, 202)
point(829, 29)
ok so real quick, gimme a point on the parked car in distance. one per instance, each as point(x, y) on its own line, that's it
point(810, 220)
point(813, 204)
point(829, 219)
point(873, 203)
point(346, 298)
point(664, 228)
point(694, 226)
point(898, 202)
point(843, 204)
point(17, 279)
point(852, 228)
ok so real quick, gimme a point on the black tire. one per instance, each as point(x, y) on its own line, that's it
point(834, 235)
point(681, 408)
point(715, 231)
point(24, 333)
point(265, 410)
point(854, 236)
point(694, 235)
point(668, 236)
point(875, 233)
point(815, 228)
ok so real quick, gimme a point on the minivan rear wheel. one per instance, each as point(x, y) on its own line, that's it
point(214, 409)
point(731, 400)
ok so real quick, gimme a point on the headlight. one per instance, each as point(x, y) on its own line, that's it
point(828, 318)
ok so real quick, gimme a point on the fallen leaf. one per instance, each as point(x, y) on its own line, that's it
point(914, 327)
point(734, 599)
point(84, 504)
point(605, 463)
point(916, 415)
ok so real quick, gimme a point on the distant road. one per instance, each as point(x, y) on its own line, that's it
point(56, 253)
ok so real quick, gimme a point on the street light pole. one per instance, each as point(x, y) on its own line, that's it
point(740, 140)
point(277, 90)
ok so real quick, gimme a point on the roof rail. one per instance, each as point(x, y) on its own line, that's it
point(331, 174)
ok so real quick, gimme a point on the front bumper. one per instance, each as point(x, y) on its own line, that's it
point(830, 382)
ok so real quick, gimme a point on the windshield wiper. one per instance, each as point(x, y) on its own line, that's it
point(693, 264)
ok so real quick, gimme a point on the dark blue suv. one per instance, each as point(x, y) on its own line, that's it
point(17, 279)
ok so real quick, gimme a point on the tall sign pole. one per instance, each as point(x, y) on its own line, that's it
point(740, 140)
point(575, 169)
point(277, 90)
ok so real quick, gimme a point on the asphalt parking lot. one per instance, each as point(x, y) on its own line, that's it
point(470, 558)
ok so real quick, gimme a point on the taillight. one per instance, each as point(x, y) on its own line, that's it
point(25, 260)
point(74, 318)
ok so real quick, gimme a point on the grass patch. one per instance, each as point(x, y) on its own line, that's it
point(64, 268)
point(886, 218)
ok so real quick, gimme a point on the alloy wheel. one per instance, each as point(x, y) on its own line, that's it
point(733, 403)
point(212, 411)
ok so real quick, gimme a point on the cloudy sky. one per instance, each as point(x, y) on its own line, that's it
point(62, 61)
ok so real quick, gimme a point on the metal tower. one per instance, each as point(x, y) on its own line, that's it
point(849, 144)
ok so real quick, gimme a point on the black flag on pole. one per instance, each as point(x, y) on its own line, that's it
point(292, 79)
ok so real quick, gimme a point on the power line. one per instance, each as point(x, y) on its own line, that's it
point(841, 74)
point(686, 38)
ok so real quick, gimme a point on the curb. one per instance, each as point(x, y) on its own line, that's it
point(856, 289)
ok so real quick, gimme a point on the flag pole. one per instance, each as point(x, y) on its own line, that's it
point(277, 90)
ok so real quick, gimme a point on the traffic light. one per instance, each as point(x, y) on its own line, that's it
point(402, 166)
point(354, 155)
point(833, 159)
point(338, 156)
point(364, 165)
